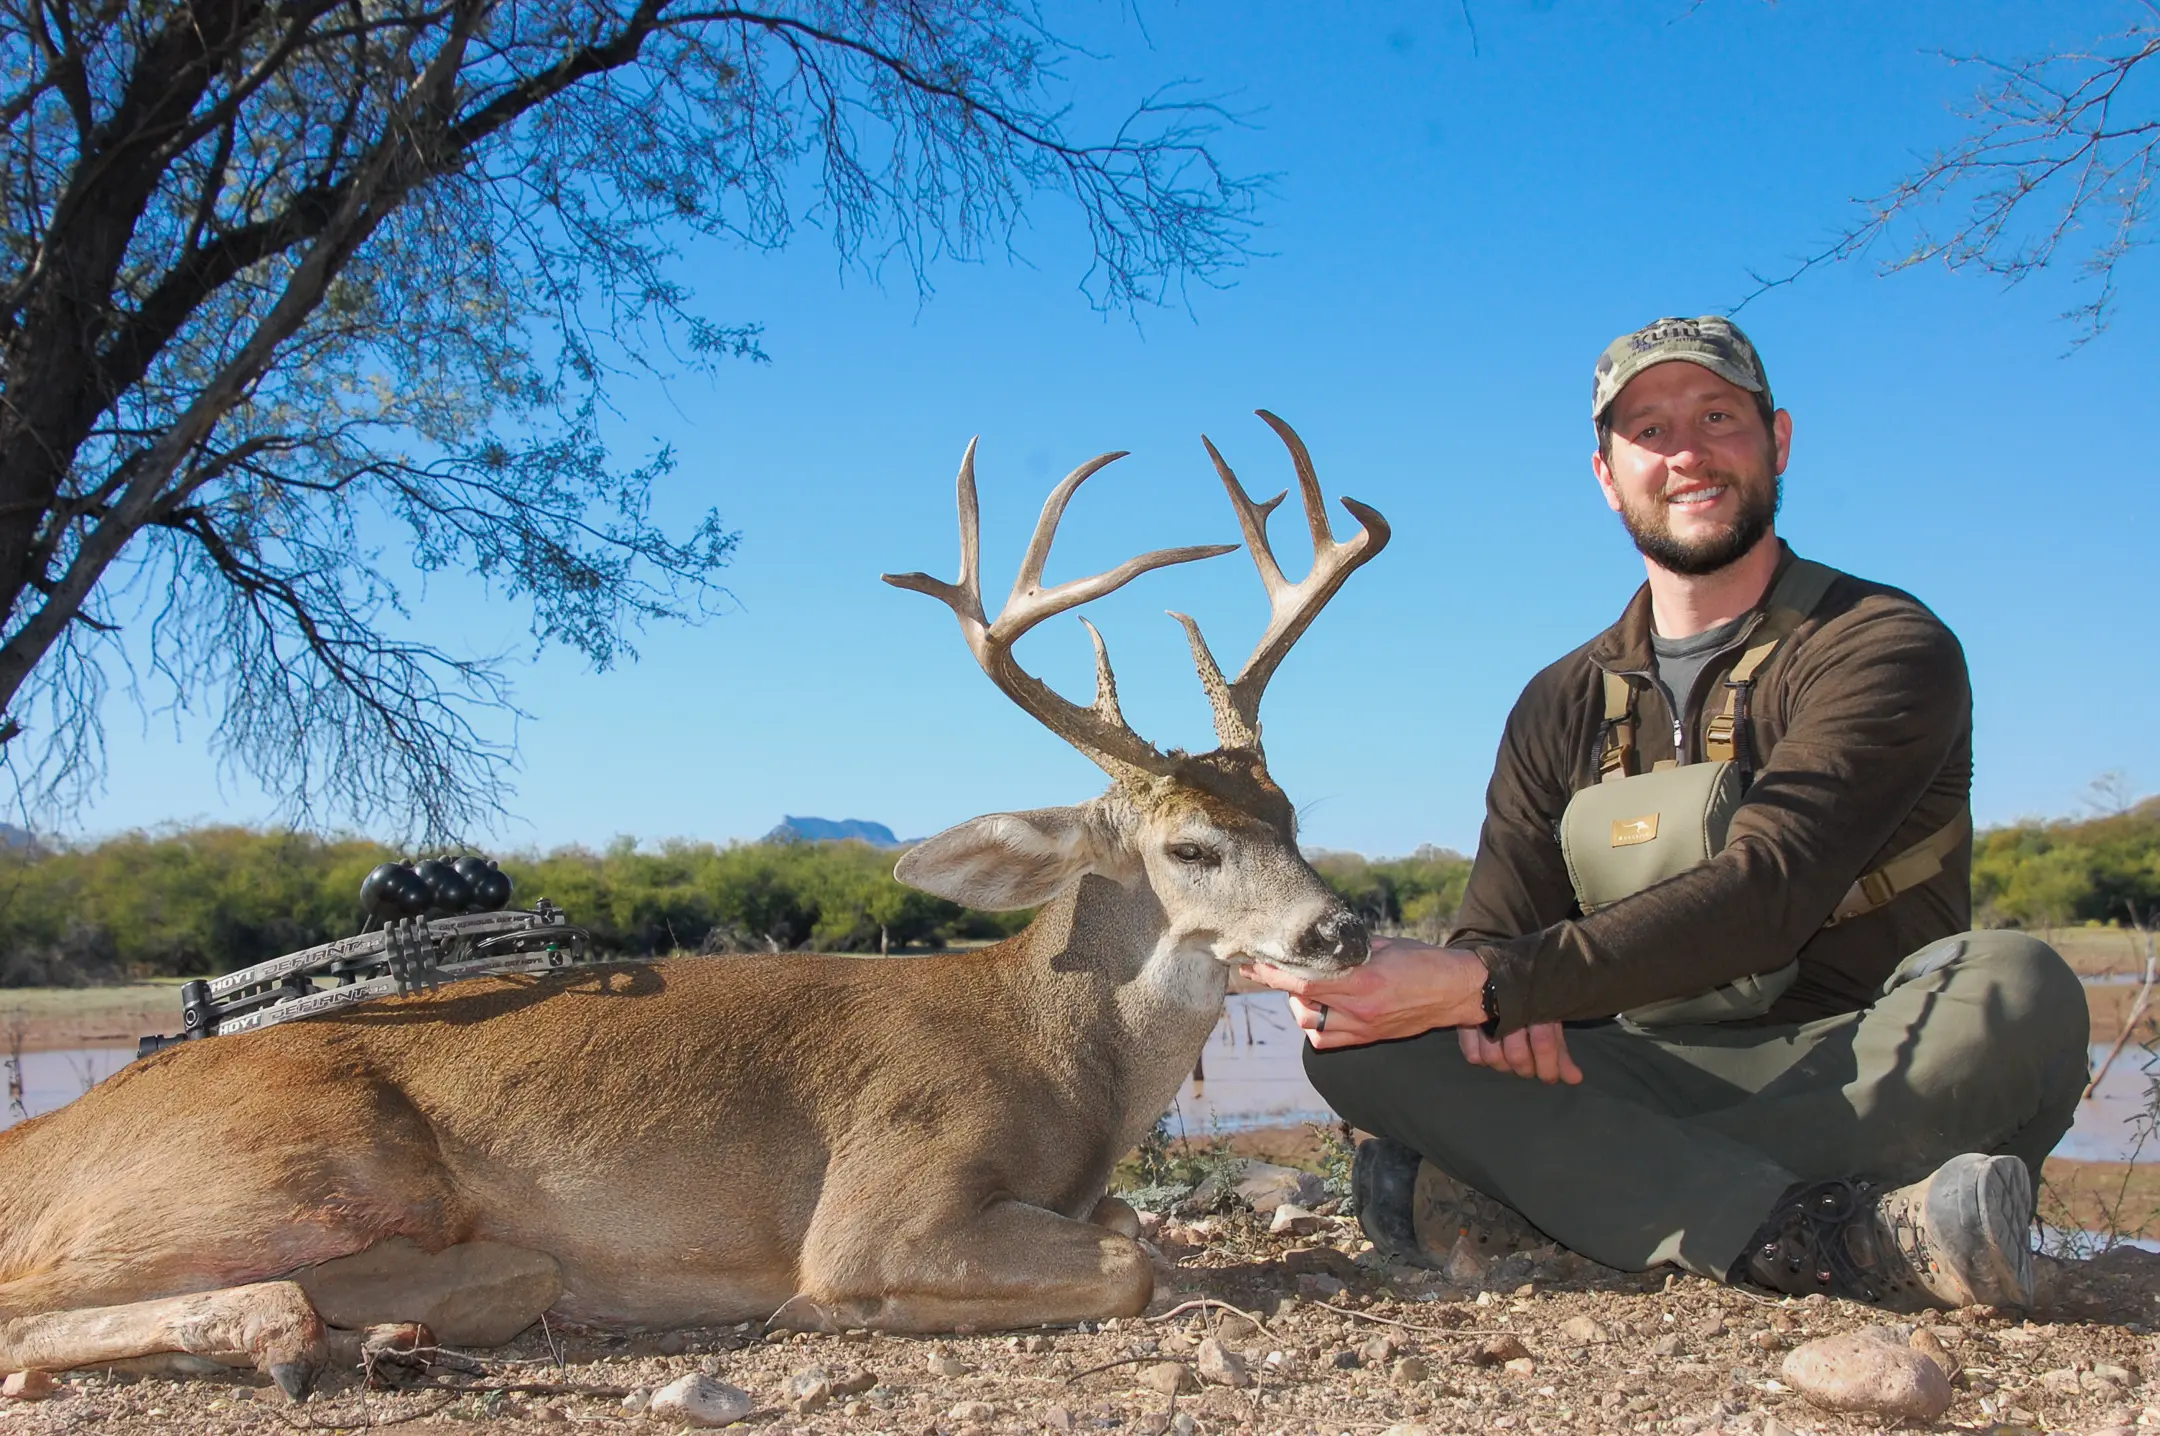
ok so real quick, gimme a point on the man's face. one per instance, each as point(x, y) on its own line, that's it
point(1693, 471)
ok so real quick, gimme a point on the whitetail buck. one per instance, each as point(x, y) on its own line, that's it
point(913, 1145)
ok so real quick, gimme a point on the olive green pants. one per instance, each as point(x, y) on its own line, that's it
point(1680, 1140)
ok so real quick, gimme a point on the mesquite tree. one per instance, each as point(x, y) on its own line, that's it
point(2058, 165)
point(300, 295)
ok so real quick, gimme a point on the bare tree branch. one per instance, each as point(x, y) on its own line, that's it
point(2058, 167)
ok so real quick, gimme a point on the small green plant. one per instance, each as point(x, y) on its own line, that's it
point(1337, 1152)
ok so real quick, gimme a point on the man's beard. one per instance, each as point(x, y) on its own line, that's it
point(1761, 494)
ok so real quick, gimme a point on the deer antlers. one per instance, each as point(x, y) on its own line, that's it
point(1099, 730)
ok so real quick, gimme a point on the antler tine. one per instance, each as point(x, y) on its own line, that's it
point(1099, 730)
point(1292, 606)
point(965, 597)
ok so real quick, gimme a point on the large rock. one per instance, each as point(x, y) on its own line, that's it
point(475, 1294)
point(698, 1400)
point(1868, 1370)
point(1263, 1186)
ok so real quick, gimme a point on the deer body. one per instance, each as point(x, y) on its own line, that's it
point(914, 1144)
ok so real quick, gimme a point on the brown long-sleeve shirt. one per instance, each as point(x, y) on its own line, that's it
point(1863, 724)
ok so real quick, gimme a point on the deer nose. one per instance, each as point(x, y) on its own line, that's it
point(1339, 937)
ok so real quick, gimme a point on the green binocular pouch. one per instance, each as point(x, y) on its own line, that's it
point(1622, 836)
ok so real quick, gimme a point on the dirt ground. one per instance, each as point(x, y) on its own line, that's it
point(1333, 1341)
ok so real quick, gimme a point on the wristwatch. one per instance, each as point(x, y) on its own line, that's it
point(1491, 1025)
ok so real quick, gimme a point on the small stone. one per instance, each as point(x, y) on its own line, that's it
point(1771, 1426)
point(854, 1384)
point(1464, 1266)
point(1183, 1424)
point(27, 1385)
point(809, 1390)
point(1715, 1326)
point(1171, 1378)
point(2113, 1375)
point(698, 1400)
point(1057, 1418)
point(637, 1399)
point(1499, 1350)
point(1585, 1331)
point(1868, 1370)
point(1929, 1345)
point(1319, 1284)
point(1520, 1366)
point(1237, 1328)
point(1290, 1219)
point(944, 1363)
point(1771, 1341)
point(971, 1413)
point(1345, 1360)
point(1379, 1351)
point(1221, 1366)
point(1667, 1345)
point(1408, 1431)
point(1410, 1371)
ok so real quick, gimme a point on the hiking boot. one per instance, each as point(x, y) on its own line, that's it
point(1414, 1213)
point(1446, 1213)
point(1958, 1237)
point(1383, 1182)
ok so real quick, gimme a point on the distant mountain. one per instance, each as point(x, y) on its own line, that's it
point(824, 830)
point(14, 837)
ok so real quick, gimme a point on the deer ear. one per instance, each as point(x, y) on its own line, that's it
point(1003, 860)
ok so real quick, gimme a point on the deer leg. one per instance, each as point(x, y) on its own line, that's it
point(1003, 1266)
point(1117, 1214)
point(268, 1323)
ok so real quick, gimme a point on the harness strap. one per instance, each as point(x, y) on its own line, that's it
point(1916, 865)
point(1798, 590)
point(1619, 754)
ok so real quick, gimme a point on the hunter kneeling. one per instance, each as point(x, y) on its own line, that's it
point(1711, 1000)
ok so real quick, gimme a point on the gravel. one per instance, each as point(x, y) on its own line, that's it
point(1679, 1355)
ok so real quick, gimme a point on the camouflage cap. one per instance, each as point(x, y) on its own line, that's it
point(1712, 341)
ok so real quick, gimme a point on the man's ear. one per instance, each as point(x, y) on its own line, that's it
point(1603, 469)
point(1003, 860)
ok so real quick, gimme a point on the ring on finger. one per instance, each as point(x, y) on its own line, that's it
point(1321, 1025)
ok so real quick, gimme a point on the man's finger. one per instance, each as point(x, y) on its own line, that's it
point(1278, 979)
point(1569, 1072)
point(1520, 1060)
point(1546, 1051)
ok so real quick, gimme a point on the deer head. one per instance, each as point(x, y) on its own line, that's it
point(1208, 837)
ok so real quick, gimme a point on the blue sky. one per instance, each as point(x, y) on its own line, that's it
point(1453, 236)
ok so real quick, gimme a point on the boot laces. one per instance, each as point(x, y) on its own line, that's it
point(1809, 1240)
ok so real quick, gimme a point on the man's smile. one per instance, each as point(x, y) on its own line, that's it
point(1695, 498)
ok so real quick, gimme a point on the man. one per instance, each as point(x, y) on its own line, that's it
point(1875, 1132)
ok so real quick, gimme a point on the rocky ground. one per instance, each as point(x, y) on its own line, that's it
point(1252, 1331)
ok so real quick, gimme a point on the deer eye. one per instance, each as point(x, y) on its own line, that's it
point(1191, 854)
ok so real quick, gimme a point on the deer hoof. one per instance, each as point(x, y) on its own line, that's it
point(292, 1378)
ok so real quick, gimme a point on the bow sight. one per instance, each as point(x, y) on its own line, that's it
point(427, 923)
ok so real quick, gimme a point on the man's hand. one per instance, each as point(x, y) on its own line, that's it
point(1403, 989)
point(1539, 1050)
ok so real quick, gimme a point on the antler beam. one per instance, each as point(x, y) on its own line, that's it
point(1099, 730)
